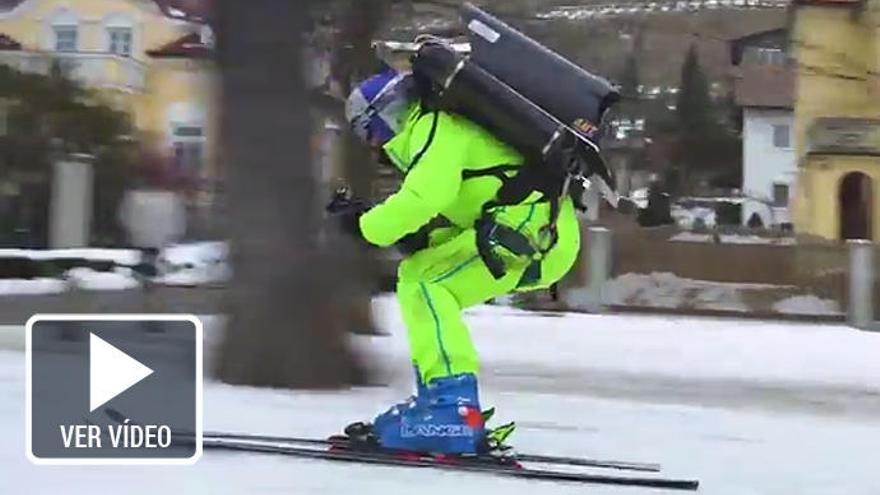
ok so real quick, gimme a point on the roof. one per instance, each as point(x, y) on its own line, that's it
point(759, 35)
point(189, 46)
point(188, 10)
point(7, 43)
point(764, 86)
point(830, 3)
point(771, 37)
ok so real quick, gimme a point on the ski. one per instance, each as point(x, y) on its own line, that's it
point(461, 464)
point(344, 442)
point(533, 458)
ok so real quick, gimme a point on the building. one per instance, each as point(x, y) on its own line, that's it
point(763, 88)
point(837, 117)
point(150, 58)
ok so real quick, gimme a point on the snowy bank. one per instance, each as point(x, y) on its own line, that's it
point(733, 239)
point(9, 287)
point(668, 291)
point(186, 265)
point(195, 264)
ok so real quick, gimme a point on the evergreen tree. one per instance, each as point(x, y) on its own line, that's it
point(694, 105)
point(704, 152)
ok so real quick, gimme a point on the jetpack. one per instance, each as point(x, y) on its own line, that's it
point(544, 106)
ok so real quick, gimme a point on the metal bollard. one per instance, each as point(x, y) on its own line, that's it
point(861, 284)
point(599, 268)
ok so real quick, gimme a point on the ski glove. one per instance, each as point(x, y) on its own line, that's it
point(414, 242)
point(348, 210)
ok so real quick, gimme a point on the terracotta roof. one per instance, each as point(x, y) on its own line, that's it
point(765, 86)
point(190, 46)
point(188, 10)
point(7, 43)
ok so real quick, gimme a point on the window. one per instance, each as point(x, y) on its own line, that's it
point(188, 158)
point(769, 56)
point(189, 144)
point(780, 195)
point(782, 136)
point(65, 38)
point(120, 40)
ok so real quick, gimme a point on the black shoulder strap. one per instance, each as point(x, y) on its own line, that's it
point(530, 178)
point(430, 140)
point(499, 171)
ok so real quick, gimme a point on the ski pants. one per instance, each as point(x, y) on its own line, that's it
point(436, 284)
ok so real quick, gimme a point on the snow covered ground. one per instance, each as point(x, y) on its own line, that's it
point(667, 290)
point(747, 407)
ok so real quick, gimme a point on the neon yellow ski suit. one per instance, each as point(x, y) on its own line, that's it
point(437, 283)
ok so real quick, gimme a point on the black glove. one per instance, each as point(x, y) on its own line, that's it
point(414, 242)
point(348, 210)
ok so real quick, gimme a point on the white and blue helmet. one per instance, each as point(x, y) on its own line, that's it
point(377, 107)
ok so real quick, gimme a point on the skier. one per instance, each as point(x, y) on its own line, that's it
point(463, 247)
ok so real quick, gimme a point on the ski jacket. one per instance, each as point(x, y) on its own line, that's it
point(452, 169)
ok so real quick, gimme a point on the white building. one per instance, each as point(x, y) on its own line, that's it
point(764, 89)
point(769, 165)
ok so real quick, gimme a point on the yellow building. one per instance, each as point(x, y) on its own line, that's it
point(150, 58)
point(836, 46)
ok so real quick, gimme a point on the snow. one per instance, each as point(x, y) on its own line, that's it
point(666, 290)
point(88, 279)
point(195, 253)
point(807, 305)
point(640, 197)
point(195, 264)
point(733, 239)
point(18, 287)
point(746, 407)
point(188, 265)
point(688, 217)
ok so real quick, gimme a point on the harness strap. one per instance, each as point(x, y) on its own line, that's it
point(499, 172)
point(491, 234)
point(514, 190)
point(429, 141)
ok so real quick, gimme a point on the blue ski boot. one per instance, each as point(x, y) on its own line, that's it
point(446, 420)
point(364, 433)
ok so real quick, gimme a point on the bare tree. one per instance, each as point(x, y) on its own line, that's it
point(284, 326)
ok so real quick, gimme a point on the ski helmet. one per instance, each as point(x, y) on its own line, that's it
point(376, 108)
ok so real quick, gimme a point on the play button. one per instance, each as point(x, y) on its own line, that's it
point(111, 372)
point(112, 389)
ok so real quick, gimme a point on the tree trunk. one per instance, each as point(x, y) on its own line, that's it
point(284, 327)
point(354, 60)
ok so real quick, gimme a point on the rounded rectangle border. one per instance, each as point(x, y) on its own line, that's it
point(106, 461)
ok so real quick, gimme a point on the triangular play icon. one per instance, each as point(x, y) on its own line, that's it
point(111, 372)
